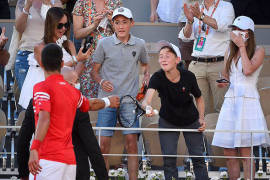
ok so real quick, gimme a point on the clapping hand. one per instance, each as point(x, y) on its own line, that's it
point(188, 13)
point(3, 38)
point(195, 10)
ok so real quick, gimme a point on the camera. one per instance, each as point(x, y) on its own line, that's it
point(86, 43)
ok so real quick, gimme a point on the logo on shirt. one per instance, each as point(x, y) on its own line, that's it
point(133, 53)
point(183, 89)
point(62, 83)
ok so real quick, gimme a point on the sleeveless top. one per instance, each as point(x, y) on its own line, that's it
point(241, 85)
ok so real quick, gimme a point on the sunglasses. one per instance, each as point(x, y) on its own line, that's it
point(61, 25)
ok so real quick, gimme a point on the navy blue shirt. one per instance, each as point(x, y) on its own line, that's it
point(177, 106)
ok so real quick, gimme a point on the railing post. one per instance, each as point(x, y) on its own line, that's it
point(251, 156)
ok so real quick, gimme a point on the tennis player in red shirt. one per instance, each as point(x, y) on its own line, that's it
point(55, 103)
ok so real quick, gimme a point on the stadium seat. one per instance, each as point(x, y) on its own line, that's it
point(265, 100)
point(263, 82)
point(3, 122)
point(20, 119)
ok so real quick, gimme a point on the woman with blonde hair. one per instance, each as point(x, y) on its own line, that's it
point(241, 110)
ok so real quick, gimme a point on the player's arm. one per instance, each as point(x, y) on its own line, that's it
point(97, 104)
point(41, 131)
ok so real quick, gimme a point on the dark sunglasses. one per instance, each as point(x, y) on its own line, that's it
point(61, 25)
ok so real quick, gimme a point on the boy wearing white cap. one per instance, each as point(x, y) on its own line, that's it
point(241, 110)
point(117, 60)
point(177, 110)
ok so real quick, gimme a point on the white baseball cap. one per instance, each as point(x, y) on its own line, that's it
point(164, 43)
point(244, 23)
point(122, 11)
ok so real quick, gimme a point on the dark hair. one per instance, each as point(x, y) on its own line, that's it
point(54, 15)
point(251, 46)
point(51, 57)
point(169, 48)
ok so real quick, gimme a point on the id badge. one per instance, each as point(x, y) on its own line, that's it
point(200, 43)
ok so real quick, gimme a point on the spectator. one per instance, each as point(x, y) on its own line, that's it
point(87, 18)
point(30, 24)
point(52, 154)
point(207, 25)
point(241, 110)
point(4, 9)
point(116, 69)
point(165, 11)
point(57, 29)
point(4, 55)
point(177, 110)
point(185, 47)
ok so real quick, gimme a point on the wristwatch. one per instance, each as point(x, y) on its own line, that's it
point(202, 17)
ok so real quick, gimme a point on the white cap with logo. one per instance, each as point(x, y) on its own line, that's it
point(164, 43)
point(243, 23)
point(122, 11)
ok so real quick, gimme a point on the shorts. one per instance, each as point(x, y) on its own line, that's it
point(107, 118)
point(55, 170)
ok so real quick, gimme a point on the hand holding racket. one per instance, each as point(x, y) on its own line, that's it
point(129, 111)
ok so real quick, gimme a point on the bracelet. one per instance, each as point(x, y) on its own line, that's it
point(75, 59)
point(190, 22)
point(36, 145)
point(101, 81)
point(25, 12)
point(106, 101)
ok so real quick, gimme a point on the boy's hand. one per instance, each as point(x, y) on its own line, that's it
point(3, 38)
point(114, 101)
point(33, 162)
point(203, 124)
point(107, 86)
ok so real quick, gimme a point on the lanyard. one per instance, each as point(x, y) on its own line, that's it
point(200, 22)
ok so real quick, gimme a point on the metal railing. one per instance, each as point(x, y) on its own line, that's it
point(99, 129)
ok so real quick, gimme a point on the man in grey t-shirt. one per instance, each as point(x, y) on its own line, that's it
point(116, 68)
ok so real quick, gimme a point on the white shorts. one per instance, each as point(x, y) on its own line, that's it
point(55, 170)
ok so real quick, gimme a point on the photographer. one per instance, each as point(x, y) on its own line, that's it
point(92, 20)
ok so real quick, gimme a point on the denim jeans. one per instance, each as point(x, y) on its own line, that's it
point(194, 143)
point(21, 67)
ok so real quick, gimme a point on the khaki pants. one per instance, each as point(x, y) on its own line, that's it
point(207, 74)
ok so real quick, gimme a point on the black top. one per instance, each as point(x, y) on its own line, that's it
point(177, 105)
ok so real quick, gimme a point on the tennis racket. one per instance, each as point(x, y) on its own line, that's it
point(129, 111)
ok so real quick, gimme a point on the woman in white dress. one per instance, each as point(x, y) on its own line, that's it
point(57, 29)
point(241, 109)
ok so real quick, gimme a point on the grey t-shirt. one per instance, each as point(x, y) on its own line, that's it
point(120, 64)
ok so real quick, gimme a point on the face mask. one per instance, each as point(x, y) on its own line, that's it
point(243, 34)
point(43, 11)
point(77, 86)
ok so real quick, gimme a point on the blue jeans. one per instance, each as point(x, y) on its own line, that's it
point(107, 118)
point(194, 143)
point(21, 67)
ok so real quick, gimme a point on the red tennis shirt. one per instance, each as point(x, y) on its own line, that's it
point(61, 100)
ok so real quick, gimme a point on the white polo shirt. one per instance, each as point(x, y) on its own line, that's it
point(169, 10)
point(217, 41)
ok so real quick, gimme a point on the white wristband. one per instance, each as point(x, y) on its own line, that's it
point(101, 81)
point(75, 59)
point(106, 101)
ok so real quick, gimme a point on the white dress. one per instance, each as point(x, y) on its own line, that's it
point(35, 75)
point(241, 110)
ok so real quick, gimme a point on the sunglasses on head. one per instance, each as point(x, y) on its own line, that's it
point(61, 25)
